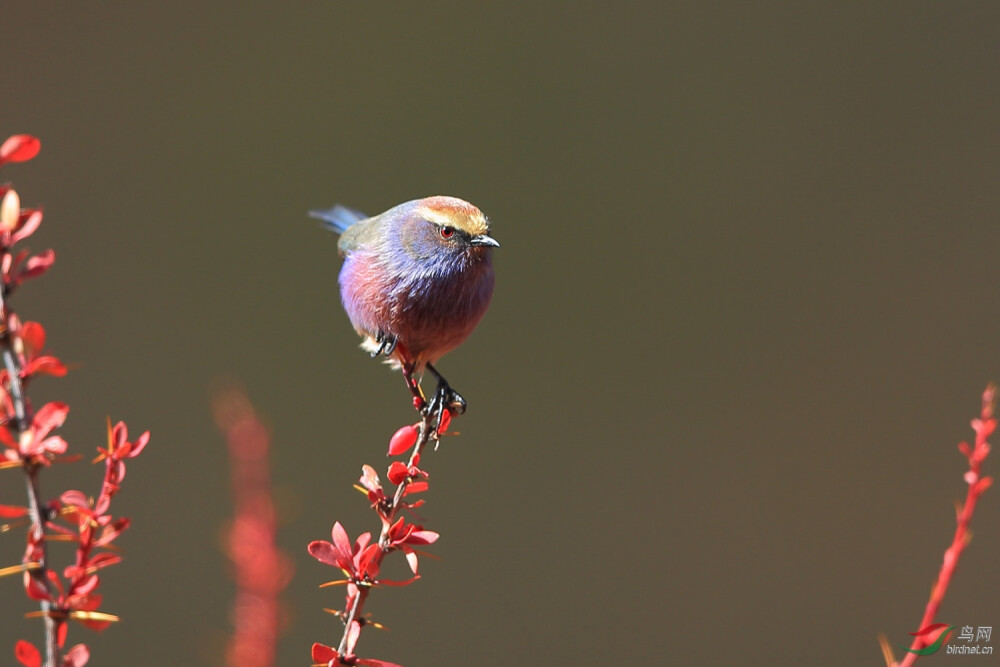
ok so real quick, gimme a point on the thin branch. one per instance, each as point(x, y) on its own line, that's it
point(983, 427)
point(429, 426)
point(36, 513)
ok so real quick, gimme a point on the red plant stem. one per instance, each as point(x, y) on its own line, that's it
point(35, 512)
point(428, 431)
point(961, 538)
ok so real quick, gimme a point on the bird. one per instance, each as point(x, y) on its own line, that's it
point(415, 281)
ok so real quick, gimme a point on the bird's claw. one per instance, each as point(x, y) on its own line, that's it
point(455, 403)
point(387, 343)
point(445, 398)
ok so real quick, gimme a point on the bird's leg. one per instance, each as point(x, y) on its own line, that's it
point(419, 401)
point(445, 396)
point(387, 343)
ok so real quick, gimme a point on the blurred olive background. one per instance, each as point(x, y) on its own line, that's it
point(746, 305)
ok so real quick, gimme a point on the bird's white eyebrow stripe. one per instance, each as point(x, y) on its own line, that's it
point(437, 217)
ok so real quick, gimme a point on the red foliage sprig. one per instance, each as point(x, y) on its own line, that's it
point(262, 571)
point(29, 444)
point(361, 562)
point(977, 484)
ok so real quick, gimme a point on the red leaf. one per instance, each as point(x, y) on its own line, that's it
point(76, 499)
point(369, 479)
point(37, 265)
point(86, 586)
point(46, 366)
point(324, 552)
point(28, 226)
point(445, 421)
point(27, 654)
point(362, 542)
point(19, 148)
point(423, 537)
point(50, 416)
point(139, 445)
point(416, 487)
point(78, 656)
point(391, 582)
point(99, 626)
point(104, 560)
point(111, 531)
point(929, 629)
point(119, 435)
point(35, 589)
point(341, 542)
point(53, 445)
point(33, 336)
point(12, 511)
point(368, 561)
point(324, 654)
point(397, 472)
point(402, 440)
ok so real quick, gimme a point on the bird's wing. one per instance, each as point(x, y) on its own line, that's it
point(358, 235)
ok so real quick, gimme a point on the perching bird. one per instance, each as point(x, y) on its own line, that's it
point(415, 282)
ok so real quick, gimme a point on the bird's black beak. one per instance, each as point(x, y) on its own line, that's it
point(484, 240)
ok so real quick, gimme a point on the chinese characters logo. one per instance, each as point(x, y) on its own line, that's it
point(938, 634)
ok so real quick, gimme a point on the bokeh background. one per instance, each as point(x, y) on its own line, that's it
point(746, 306)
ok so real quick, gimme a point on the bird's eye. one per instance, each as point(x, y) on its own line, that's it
point(447, 232)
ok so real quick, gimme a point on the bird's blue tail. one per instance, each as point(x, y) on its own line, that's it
point(338, 218)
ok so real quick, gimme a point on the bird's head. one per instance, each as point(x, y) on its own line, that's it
point(446, 226)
